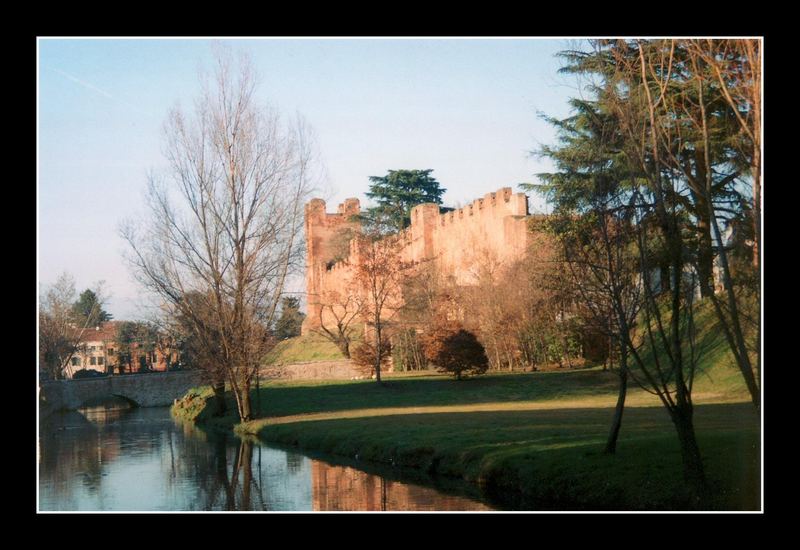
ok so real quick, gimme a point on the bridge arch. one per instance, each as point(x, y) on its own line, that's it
point(158, 389)
point(128, 400)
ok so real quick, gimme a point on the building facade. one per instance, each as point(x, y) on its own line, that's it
point(456, 242)
point(100, 351)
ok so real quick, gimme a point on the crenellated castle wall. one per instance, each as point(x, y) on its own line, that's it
point(459, 241)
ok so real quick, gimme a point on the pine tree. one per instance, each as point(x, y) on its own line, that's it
point(291, 319)
point(396, 194)
point(88, 309)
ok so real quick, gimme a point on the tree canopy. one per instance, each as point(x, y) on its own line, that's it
point(455, 351)
point(226, 219)
point(396, 194)
point(289, 323)
point(88, 309)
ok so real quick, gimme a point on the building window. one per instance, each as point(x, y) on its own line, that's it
point(75, 361)
point(99, 360)
point(111, 351)
point(92, 360)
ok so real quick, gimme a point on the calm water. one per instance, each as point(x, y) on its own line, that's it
point(141, 460)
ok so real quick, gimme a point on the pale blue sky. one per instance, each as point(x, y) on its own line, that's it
point(465, 107)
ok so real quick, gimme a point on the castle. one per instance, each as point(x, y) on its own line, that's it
point(457, 241)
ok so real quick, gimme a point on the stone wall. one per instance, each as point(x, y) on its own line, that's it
point(490, 229)
point(318, 370)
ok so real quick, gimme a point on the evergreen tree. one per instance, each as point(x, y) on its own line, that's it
point(126, 338)
point(291, 319)
point(88, 309)
point(396, 194)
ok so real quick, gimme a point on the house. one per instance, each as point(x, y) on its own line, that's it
point(100, 351)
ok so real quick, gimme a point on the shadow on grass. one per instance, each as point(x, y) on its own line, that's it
point(285, 400)
point(553, 459)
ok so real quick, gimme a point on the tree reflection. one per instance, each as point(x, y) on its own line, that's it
point(60, 459)
point(233, 487)
point(140, 460)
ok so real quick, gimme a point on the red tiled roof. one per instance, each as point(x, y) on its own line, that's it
point(106, 331)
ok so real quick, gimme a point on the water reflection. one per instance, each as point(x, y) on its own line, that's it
point(141, 459)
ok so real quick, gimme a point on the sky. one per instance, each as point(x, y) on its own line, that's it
point(466, 108)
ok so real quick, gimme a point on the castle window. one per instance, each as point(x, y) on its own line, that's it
point(99, 360)
point(75, 361)
point(92, 360)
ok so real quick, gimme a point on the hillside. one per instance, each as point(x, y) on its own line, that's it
point(301, 349)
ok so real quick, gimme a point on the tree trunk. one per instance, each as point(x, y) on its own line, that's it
point(344, 347)
point(693, 471)
point(378, 362)
point(616, 423)
point(220, 408)
point(245, 404)
point(756, 205)
point(705, 246)
point(246, 466)
point(378, 346)
point(705, 258)
point(221, 454)
point(733, 330)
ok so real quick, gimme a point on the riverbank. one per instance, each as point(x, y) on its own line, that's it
point(531, 441)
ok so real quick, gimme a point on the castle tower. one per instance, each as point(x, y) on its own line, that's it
point(321, 230)
point(424, 218)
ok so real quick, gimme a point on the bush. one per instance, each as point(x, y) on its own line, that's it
point(88, 373)
point(364, 356)
point(455, 351)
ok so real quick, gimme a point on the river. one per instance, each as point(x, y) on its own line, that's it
point(141, 459)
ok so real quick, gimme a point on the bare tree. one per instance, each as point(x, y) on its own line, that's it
point(487, 309)
point(378, 271)
point(600, 254)
point(337, 314)
point(226, 222)
point(736, 66)
point(703, 58)
point(61, 330)
point(642, 74)
point(423, 300)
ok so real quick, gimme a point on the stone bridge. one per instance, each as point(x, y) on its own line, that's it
point(155, 389)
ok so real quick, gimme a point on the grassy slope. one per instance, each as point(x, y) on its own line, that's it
point(300, 349)
point(536, 439)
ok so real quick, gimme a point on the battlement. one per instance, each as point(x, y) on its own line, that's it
point(316, 210)
point(457, 240)
point(500, 203)
point(350, 207)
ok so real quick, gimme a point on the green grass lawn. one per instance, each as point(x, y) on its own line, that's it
point(552, 458)
point(301, 349)
point(531, 441)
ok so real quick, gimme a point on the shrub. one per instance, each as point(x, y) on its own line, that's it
point(455, 350)
point(364, 356)
point(87, 373)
